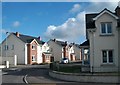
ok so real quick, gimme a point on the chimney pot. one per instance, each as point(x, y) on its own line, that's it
point(65, 42)
point(54, 40)
point(117, 10)
point(17, 34)
point(39, 38)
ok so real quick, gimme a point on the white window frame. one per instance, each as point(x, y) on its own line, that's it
point(47, 57)
point(33, 47)
point(5, 47)
point(106, 28)
point(33, 58)
point(107, 57)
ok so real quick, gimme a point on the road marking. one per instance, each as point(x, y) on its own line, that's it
point(24, 79)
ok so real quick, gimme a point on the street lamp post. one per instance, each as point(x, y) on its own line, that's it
point(6, 48)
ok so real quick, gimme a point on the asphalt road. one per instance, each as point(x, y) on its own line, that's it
point(35, 76)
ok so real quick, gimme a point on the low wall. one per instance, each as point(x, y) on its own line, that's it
point(86, 77)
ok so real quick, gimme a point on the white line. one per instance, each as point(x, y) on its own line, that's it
point(25, 80)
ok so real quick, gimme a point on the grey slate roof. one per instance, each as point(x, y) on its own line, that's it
point(90, 23)
point(28, 39)
point(61, 43)
point(89, 20)
point(86, 43)
point(77, 45)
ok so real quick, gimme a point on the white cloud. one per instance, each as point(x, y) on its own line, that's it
point(74, 28)
point(3, 31)
point(76, 8)
point(16, 24)
point(71, 30)
point(99, 6)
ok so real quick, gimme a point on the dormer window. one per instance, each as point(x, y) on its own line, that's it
point(106, 28)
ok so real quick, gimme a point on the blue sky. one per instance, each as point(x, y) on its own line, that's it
point(60, 20)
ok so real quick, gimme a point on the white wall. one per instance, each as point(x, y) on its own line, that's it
point(84, 77)
point(39, 54)
point(56, 50)
point(26, 57)
point(40, 50)
point(45, 47)
point(19, 48)
point(77, 52)
point(71, 50)
point(98, 43)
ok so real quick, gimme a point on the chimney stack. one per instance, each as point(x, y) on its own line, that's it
point(73, 43)
point(117, 10)
point(17, 34)
point(39, 38)
point(65, 42)
point(54, 40)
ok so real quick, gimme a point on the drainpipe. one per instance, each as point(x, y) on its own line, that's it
point(82, 56)
point(92, 62)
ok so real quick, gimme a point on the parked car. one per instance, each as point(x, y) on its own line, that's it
point(64, 60)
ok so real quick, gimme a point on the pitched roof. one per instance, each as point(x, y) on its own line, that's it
point(47, 53)
point(86, 43)
point(77, 45)
point(106, 11)
point(28, 39)
point(61, 43)
point(90, 23)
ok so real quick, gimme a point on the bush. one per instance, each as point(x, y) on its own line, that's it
point(43, 63)
point(54, 65)
point(35, 63)
point(70, 69)
point(65, 68)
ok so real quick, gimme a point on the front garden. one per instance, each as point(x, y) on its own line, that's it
point(67, 68)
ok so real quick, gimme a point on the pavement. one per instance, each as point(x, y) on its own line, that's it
point(19, 67)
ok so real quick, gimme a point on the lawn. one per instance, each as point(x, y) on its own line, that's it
point(65, 68)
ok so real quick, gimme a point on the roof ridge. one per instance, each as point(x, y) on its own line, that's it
point(29, 39)
point(28, 35)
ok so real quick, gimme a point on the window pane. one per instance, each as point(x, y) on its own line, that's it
point(103, 30)
point(12, 47)
point(110, 54)
point(109, 27)
point(104, 54)
point(6, 47)
point(33, 58)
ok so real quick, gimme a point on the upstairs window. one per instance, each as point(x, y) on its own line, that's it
point(106, 28)
point(6, 47)
point(12, 47)
point(33, 47)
